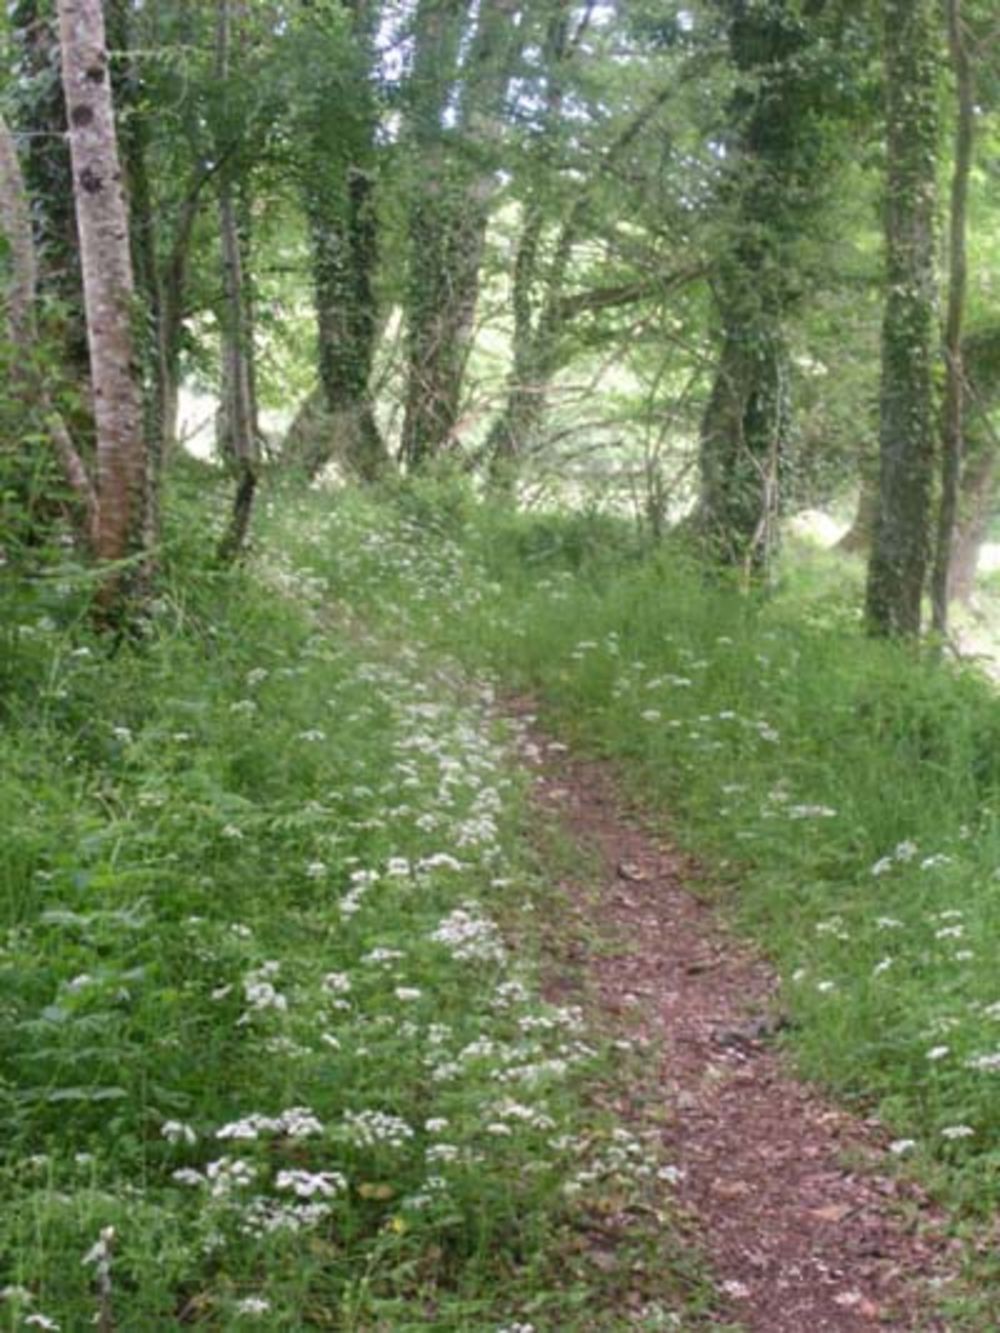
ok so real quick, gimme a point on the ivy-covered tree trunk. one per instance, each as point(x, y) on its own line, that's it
point(108, 288)
point(900, 547)
point(774, 151)
point(744, 430)
point(21, 279)
point(345, 252)
point(339, 181)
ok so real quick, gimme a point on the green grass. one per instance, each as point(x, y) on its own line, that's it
point(845, 794)
point(257, 872)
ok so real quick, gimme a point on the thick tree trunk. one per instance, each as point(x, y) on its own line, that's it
point(774, 183)
point(743, 439)
point(108, 288)
point(143, 230)
point(898, 563)
point(345, 252)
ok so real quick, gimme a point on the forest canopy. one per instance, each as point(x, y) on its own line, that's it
point(716, 263)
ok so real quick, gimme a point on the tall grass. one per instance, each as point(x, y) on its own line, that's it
point(844, 794)
point(266, 1054)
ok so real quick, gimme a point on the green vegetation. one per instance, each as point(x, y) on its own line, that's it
point(277, 918)
point(845, 794)
point(258, 1012)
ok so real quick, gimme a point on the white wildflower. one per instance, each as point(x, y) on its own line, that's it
point(305, 1184)
point(175, 1131)
point(901, 1146)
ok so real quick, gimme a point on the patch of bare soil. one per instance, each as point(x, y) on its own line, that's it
point(788, 1195)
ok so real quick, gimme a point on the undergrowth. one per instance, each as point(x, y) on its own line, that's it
point(845, 794)
point(268, 1054)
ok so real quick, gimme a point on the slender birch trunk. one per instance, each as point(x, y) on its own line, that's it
point(108, 286)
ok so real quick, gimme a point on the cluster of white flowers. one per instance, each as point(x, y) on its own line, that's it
point(305, 1184)
point(470, 936)
point(371, 1129)
point(260, 992)
point(222, 1176)
point(298, 1122)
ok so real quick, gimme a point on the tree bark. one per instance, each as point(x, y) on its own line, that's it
point(450, 208)
point(345, 252)
point(108, 287)
point(952, 443)
point(898, 562)
point(238, 411)
point(774, 182)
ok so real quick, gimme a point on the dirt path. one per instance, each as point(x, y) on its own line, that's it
point(790, 1196)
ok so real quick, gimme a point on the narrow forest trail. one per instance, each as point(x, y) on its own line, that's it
point(788, 1196)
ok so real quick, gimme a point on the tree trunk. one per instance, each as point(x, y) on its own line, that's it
point(952, 442)
point(774, 182)
point(108, 289)
point(898, 563)
point(450, 210)
point(514, 431)
point(28, 379)
point(147, 323)
point(237, 407)
point(345, 253)
point(743, 437)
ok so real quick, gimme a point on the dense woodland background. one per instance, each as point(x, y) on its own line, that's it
point(364, 362)
point(721, 263)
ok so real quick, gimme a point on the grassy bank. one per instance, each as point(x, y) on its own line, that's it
point(272, 1048)
point(845, 795)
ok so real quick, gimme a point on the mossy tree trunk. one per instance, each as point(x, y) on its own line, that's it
point(775, 148)
point(339, 193)
point(345, 252)
point(898, 564)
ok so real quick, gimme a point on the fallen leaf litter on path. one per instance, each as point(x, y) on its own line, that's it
point(786, 1193)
